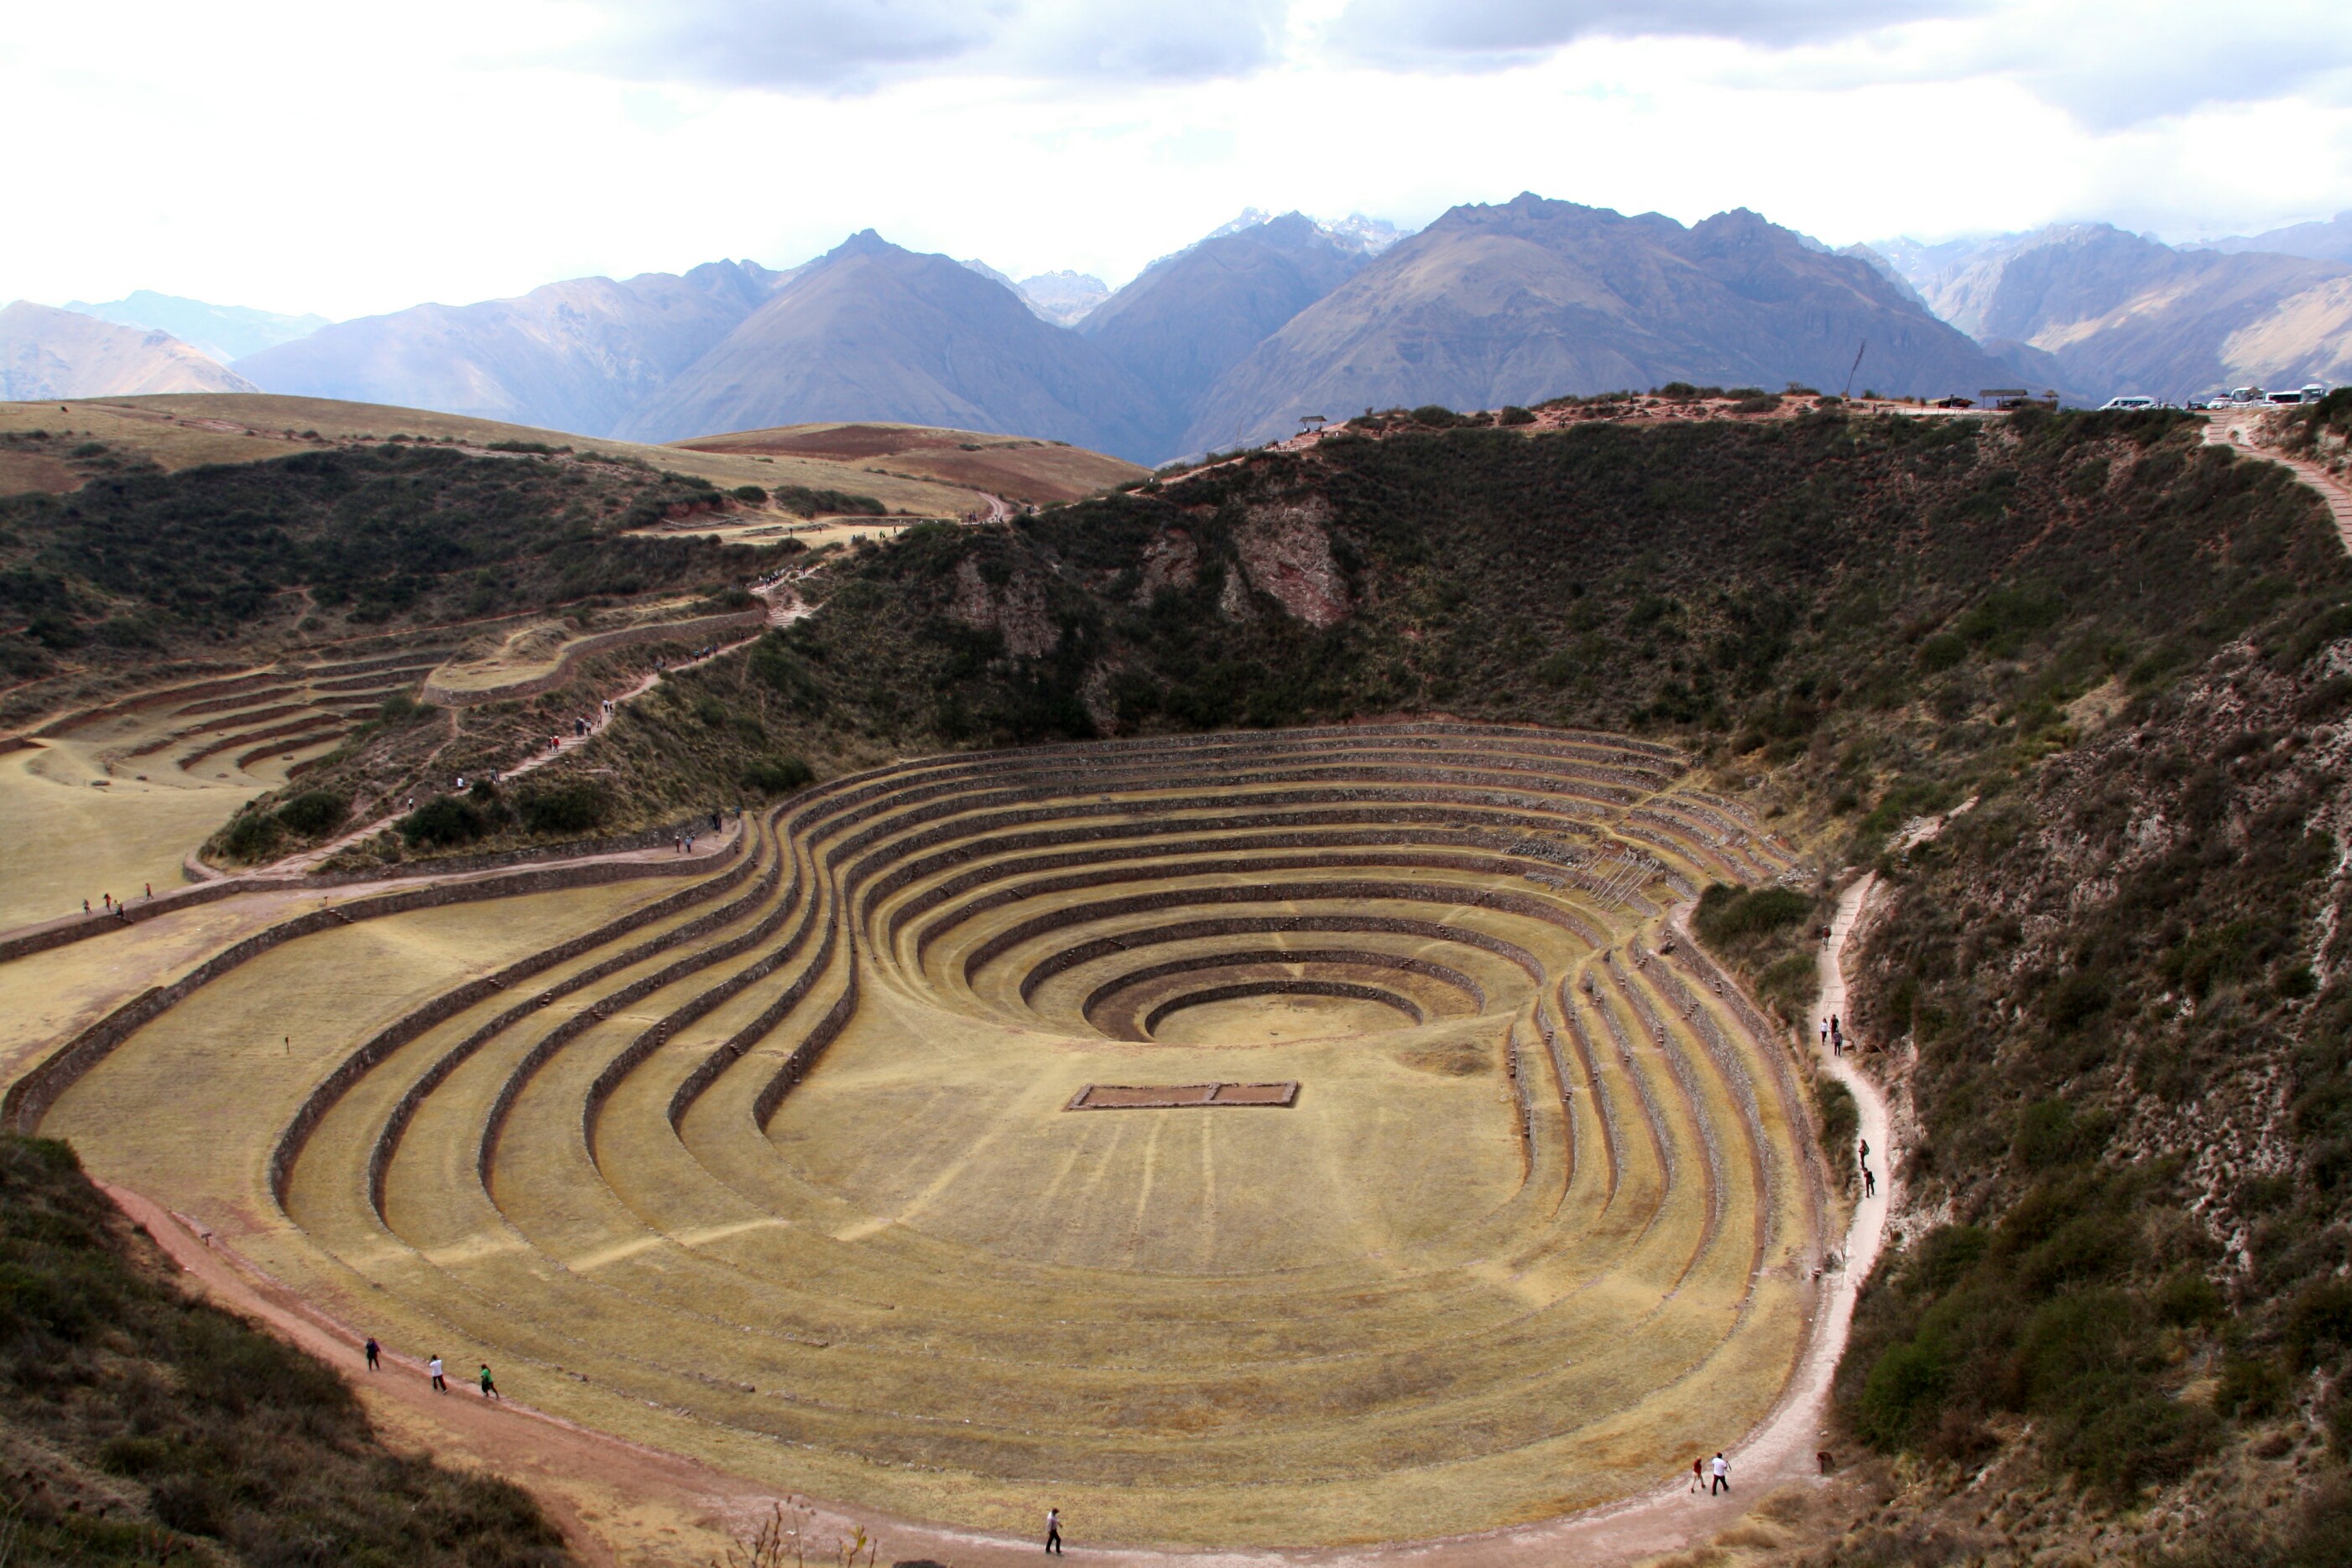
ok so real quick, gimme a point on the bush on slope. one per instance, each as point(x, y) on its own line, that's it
point(150, 1426)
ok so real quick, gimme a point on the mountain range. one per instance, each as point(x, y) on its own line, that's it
point(1228, 340)
point(2095, 311)
point(1268, 319)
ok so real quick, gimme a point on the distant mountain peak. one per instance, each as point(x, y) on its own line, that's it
point(1369, 236)
point(990, 273)
point(1064, 297)
point(864, 242)
point(1248, 218)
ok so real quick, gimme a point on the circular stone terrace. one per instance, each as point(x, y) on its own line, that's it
point(1281, 1139)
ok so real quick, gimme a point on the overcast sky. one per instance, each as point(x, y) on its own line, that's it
point(342, 158)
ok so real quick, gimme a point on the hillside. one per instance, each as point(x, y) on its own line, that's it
point(247, 561)
point(1037, 473)
point(2115, 313)
point(579, 356)
point(142, 1426)
point(871, 331)
point(1512, 304)
point(1191, 317)
point(180, 431)
point(48, 353)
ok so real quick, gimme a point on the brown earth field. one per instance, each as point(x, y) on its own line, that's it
point(1015, 468)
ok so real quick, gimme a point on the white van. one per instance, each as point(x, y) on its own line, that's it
point(2285, 397)
point(2135, 401)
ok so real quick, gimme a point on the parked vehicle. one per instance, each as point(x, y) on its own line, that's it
point(2312, 392)
point(1955, 401)
point(2284, 397)
point(2130, 401)
point(2246, 394)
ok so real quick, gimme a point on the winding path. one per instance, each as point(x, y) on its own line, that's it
point(2239, 433)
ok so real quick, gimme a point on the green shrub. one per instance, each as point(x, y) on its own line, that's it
point(776, 775)
point(2251, 1387)
point(251, 837)
point(751, 493)
point(2046, 1135)
point(443, 822)
point(574, 808)
point(1841, 1124)
point(1727, 912)
point(1514, 414)
point(1790, 985)
point(314, 813)
point(1942, 652)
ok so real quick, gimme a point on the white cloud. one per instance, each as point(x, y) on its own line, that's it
point(306, 157)
point(860, 46)
point(1486, 34)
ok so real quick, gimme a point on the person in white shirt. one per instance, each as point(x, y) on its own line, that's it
point(1053, 1531)
point(433, 1367)
point(1722, 1475)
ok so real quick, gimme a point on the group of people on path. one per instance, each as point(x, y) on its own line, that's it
point(436, 1371)
point(1711, 1476)
point(1835, 1041)
point(118, 908)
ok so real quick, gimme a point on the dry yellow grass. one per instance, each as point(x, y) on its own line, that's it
point(181, 431)
point(1515, 1257)
point(68, 830)
point(112, 799)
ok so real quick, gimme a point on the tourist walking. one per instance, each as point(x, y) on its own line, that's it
point(433, 1368)
point(374, 1354)
point(1053, 1531)
point(1722, 1475)
point(1869, 1183)
point(490, 1389)
point(1699, 1474)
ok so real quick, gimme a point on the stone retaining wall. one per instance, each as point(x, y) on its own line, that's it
point(416, 1022)
point(30, 1097)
